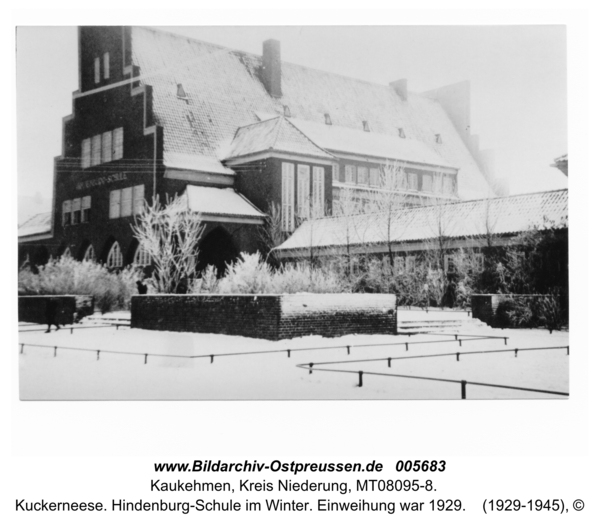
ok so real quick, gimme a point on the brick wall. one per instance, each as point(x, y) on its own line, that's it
point(33, 308)
point(272, 317)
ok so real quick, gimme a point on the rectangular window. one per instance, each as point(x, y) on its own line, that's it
point(478, 263)
point(66, 213)
point(449, 188)
point(117, 152)
point(413, 181)
point(287, 196)
point(107, 146)
point(437, 183)
point(138, 199)
point(350, 174)
point(318, 191)
point(86, 204)
point(106, 65)
point(96, 150)
point(303, 191)
point(374, 179)
point(399, 265)
point(335, 170)
point(363, 174)
point(86, 153)
point(115, 204)
point(126, 201)
point(97, 70)
point(76, 211)
point(427, 183)
point(410, 264)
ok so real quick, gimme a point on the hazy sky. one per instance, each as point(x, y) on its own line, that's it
point(518, 81)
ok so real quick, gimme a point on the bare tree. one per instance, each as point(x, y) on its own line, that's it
point(170, 234)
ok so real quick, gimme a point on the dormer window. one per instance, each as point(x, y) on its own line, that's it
point(438, 138)
point(366, 126)
point(286, 112)
point(328, 119)
point(181, 92)
point(401, 132)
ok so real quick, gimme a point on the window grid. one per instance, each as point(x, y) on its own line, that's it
point(76, 211)
point(86, 204)
point(427, 183)
point(115, 256)
point(319, 191)
point(303, 191)
point(115, 204)
point(287, 197)
point(90, 254)
point(126, 201)
point(138, 199)
point(374, 179)
point(97, 70)
point(96, 150)
point(350, 174)
point(107, 146)
point(142, 257)
point(335, 172)
point(362, 175)
point(86, 153)
point(66, 213)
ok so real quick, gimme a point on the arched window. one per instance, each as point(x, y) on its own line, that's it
point(67, 253)
point(141, 257)
point(90, 254)
point(115, 257)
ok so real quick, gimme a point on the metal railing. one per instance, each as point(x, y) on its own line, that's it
point(463, 383)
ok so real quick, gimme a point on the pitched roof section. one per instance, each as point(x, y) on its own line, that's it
point(506, 215)
point(224, 91)
point(212, 202)
point(346, 140)
point(276, 134)
point(36, 225)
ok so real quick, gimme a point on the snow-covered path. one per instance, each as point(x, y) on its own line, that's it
point(79, 375)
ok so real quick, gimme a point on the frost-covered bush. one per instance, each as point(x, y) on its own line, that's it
point(250, 274)
point(66, 276)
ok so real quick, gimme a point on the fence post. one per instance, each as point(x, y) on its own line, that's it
point(71, 330)
point(457, 357)
point(23, 347)
point(463, 389)
point(389, 362)
point(55, 351)
point(516, 351)
point(567, 350)
point(289, 353)
point(145, 358)
point(360, 383)
point(460, 342)
point(505, 341)
point(348, 349)
point(98, 355)
point(212, 359)
point(310, 368)
point(406, 346)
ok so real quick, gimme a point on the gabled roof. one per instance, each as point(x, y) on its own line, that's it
point(274, 135)
point(212, 203)
point(224, 91)
point(36, 225)
point(498, 216)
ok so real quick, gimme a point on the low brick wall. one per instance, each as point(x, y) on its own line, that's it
point(32, 308)
point(273, 317)
point(484, 307)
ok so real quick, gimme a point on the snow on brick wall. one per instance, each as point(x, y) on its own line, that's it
point(272, 317)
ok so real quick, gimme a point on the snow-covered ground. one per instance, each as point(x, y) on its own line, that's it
point(80, 375)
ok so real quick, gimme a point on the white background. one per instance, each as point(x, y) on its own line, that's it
point(104, 450)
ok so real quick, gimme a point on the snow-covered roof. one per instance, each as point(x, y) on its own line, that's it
point(358, 142)
point(498, 216)
point(276, 134)
point(224, 91)
point(200, 163)
point(36, 225)
point(214, 202)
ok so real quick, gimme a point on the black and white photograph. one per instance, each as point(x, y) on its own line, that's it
point(293, 212)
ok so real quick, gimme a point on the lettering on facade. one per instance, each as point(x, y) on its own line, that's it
point(102, 181)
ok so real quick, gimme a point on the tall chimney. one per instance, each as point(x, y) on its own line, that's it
point(271, 73)
point(401, 88)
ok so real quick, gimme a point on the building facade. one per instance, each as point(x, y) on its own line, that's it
point(158, 114)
